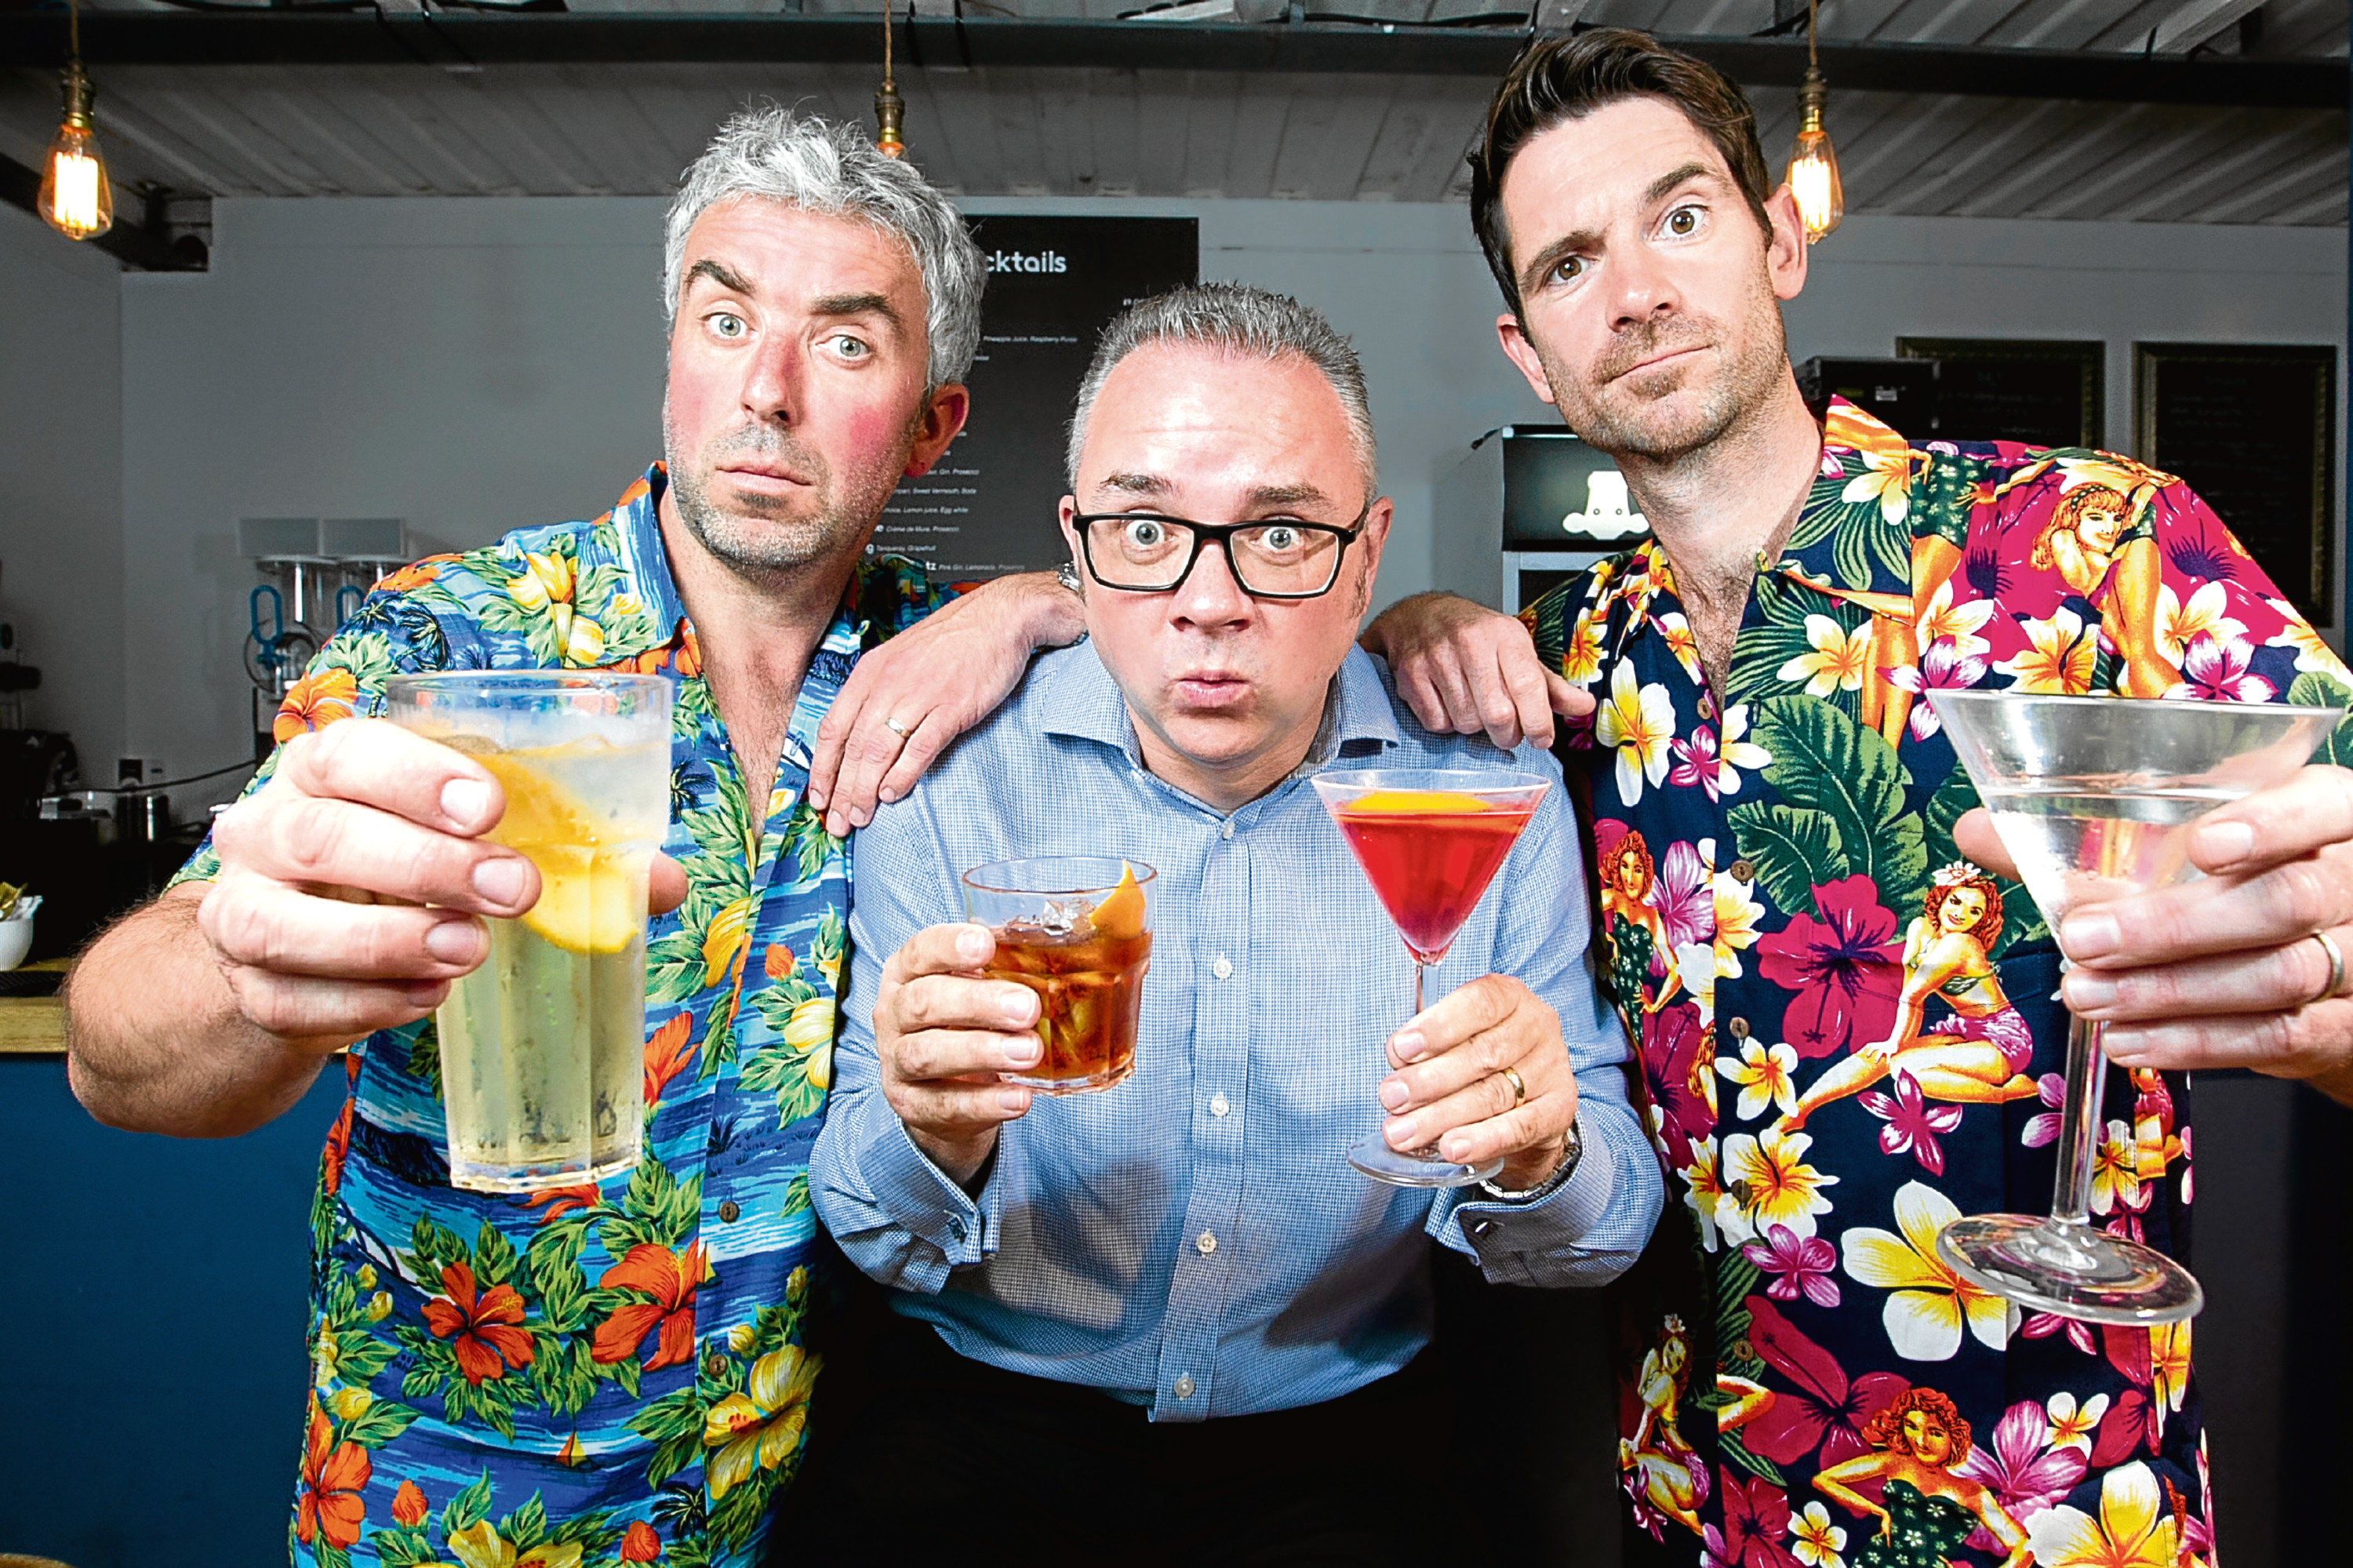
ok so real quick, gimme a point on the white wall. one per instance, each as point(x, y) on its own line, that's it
point(61, 446)
point(471, 366)
point(477, 366)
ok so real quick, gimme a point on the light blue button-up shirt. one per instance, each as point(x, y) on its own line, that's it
point(1195, 1239)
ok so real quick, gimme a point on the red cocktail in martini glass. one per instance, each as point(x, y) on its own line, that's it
point(1430, 842)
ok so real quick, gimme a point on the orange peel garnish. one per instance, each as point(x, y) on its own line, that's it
point(1414, 803)
point(1121, 914)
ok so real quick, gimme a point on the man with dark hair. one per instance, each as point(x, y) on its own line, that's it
point(1826, 1090)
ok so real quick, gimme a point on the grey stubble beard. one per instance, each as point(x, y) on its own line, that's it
point(758, 544)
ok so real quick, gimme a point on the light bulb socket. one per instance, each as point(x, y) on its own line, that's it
point(1813, 97)
point(79, 93)
point(890, 113)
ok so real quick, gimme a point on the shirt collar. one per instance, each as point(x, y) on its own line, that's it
point(636, 527)
point(1074, 695)
point(1644, 574)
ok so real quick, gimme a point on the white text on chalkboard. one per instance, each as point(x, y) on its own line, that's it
point(1016, 261)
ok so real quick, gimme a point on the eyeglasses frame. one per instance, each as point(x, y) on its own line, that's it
point(1205, 534)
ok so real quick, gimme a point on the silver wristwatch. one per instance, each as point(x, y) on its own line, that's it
point(1573, 1152)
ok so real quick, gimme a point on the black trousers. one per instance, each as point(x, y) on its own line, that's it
point(955, 1460)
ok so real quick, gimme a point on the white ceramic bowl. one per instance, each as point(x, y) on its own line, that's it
point(16, 941)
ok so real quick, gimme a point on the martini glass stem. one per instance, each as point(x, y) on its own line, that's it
point(1420, 964)
point(2079, 1129)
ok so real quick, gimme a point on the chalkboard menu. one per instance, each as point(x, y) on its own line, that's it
point(2015, 389)
point(1054, 283)
point(2250, 428)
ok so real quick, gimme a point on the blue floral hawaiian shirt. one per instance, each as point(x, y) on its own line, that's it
point(605, 1373)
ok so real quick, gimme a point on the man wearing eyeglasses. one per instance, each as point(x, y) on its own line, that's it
point(1168, 1319)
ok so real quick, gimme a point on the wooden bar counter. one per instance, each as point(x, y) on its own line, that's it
point(33, 1025)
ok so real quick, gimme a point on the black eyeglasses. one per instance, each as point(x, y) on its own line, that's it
point(1276, 557)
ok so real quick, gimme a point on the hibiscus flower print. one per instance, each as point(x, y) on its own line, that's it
point(334, 1475)
point(482, 1329)
point(2025, 1473)
point(1756, 1521)
point(1681, 896)
point(671, 1279)
point(314, 702)
point(1843, 965)
point(1818, 1420)
point(1675, 1058)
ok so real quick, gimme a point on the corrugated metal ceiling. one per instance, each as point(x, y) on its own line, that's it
point(627, 129)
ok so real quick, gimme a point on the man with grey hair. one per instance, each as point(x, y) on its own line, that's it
point(615, 1370)
point(1167, 1323)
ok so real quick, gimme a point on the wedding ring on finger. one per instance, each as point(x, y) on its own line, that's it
point(1519, 1085)
point(894, 726)
point(2335, 968)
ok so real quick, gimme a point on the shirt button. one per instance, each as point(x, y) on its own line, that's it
point(728, 1211)
point(1737, 1027)
point(715, 1364)
point(1223, 968)
point(1183, 1387)
point(1480, 1227)
point(1218, 1106)
point(1744, 871)
point(1205, 1244)
point(1227, 830)
point(955, 1226)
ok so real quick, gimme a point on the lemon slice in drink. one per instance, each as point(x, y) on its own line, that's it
point(587, 901)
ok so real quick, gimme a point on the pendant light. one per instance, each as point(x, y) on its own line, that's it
point(890, 109)
point(77, 199)
point(1813, 165)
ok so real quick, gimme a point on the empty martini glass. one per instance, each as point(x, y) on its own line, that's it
point(2092, 797)
point(1430, 842)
